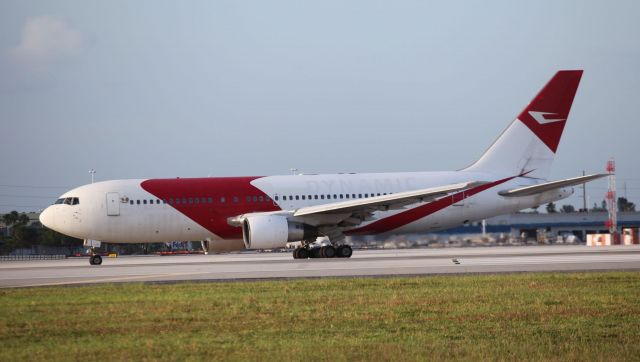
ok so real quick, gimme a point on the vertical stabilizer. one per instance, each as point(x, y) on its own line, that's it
point(530, 142)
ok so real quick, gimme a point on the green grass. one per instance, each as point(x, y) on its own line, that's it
point(567, 316)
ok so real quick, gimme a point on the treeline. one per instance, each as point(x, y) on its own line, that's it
point(623, 205)
point(20, 233)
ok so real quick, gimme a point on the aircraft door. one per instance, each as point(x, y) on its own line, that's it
point(113, 204)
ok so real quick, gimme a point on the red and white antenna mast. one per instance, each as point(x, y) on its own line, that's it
point(610, 196)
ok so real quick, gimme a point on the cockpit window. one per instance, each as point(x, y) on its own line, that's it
point(68, 201)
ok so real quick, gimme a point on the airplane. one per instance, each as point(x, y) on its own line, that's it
point(236, 213)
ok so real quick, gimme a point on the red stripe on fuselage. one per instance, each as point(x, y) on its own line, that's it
point(398, 220)
point(212, 216)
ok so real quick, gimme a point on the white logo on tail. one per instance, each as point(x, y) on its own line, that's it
point(539, 117)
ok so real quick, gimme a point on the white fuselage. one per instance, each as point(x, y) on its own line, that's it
point(123, 211)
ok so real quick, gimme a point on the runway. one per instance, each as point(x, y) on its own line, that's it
point(249, 266)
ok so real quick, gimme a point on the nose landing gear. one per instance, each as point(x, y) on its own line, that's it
point(95, 259)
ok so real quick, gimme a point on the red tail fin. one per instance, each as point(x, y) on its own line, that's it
point(548, 112)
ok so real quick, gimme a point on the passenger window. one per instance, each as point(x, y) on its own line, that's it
point(235, 199)
point(360, 195)
point(184, 200)
point(315, 197)
point(130, 202)
point(322, 197)
point(138, 202)
point(222, 200)
point(347, 196)
point(261, 199)
point(304, 197)
point(170, 201)
point(276, 198)
point(144, 202)
point(255, 199)
point(196, 200)
point(353, 196)
point(177, 201)
point(164, 201)
point(248, 198)
point(335, 196)
point(290, 197)
point(297, 197)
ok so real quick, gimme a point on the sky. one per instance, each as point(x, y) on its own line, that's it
point(147, 89)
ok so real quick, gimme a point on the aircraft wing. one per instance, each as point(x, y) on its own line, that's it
point(385, 202)
point(548, 186)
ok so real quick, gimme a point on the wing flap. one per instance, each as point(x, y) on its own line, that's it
point(548, 186)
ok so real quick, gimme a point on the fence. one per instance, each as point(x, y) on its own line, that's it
point(31, 257)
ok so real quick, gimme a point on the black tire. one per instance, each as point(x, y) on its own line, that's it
point(95, 260)
point(315, 253)
point(303, 253)
point(328, 251)
point(344, 251)
point(295, 253)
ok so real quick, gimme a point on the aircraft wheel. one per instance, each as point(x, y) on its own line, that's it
point(344, 251)
point(295, 253)
point(328, 251)
point(303, 253)
point(315, 253)
point(95, 260)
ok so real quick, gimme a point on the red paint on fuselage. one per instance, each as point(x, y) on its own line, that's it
point(224, 197)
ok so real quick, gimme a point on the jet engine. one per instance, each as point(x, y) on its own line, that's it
point(274, 231)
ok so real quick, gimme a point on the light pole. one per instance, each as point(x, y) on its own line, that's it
point(92, 172)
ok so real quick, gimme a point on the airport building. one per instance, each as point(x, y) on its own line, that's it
point(518, 228)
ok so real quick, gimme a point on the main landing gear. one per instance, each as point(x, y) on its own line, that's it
point(327, 251)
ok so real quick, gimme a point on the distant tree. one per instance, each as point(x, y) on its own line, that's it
point(625, 205)
point(10, 218)
point(551, 208)
point(14, 221)
point(568, 209)
point(596, 208)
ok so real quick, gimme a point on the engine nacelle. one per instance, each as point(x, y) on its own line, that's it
point(273, 231)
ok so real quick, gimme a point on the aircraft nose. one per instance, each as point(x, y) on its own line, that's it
point(47, 218)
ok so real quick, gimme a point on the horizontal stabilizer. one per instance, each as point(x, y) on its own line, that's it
point(548, 186)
